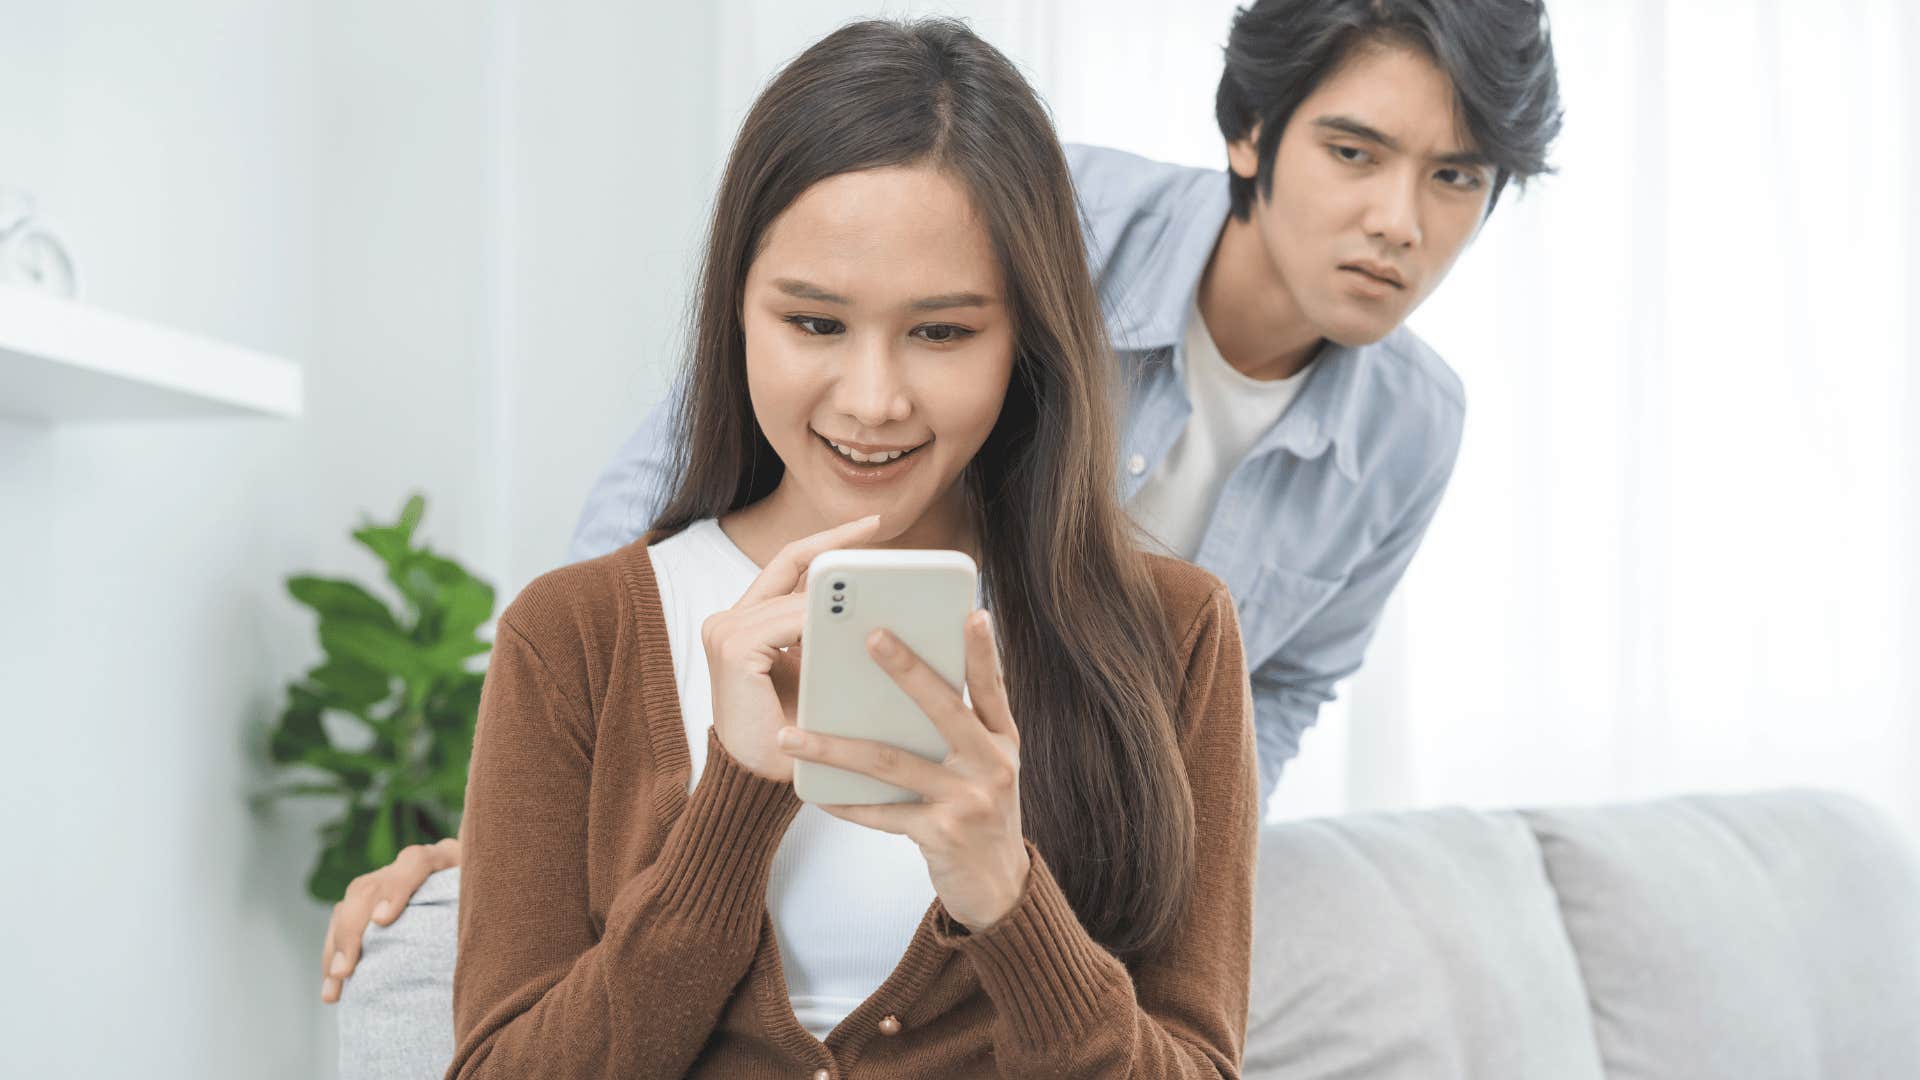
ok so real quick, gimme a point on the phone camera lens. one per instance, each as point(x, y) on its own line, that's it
point(837, 609)
point(839, 586)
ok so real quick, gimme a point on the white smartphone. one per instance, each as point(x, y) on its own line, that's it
point(924, 597)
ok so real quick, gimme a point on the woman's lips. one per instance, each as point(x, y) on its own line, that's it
point(854, 472)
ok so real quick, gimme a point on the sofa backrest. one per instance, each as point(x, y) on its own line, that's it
point(1718, 937)
point(1765, 937)
point(1714, 937)
point(1416, 946)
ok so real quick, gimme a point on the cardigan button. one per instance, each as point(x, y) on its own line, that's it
point(889, 1025)
point(822, 1074)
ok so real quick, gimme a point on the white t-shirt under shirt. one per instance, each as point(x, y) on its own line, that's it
point(1230, 413)
point(845, 899)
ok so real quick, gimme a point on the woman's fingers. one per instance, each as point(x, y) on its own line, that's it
point(986, 681)
point(750, 639)
point(783, 573)
point(901, 768)
point(901, 819)
point(942, 703)
point(378, 896)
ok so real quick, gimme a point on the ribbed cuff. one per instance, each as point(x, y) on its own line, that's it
point(1047, 977)
point(716, 861)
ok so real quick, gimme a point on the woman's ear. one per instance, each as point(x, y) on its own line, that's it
point(1243, 154)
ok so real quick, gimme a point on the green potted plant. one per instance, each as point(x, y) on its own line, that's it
point(406, 682)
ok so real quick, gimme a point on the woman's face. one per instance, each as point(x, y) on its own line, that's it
point(879, 347)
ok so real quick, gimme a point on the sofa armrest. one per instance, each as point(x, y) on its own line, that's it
point(396, 1010)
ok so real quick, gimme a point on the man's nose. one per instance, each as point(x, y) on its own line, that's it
point(1393, 212)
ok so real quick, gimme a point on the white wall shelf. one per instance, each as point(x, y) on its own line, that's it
point(66, 362)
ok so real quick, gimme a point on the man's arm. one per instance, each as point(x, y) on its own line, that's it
point(1290, 686)
point(633, 488)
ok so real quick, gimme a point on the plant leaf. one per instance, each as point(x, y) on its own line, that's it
point(448, 655)
point(300, 730)
point(344, 856)
point(456, 703)
point(381, 846)
point(356, 770)
point(303, 790)
point(335, 599)
point(355, 684)
point(376, 647)
point(385, 541)
point(410, 516)
point(467, 604)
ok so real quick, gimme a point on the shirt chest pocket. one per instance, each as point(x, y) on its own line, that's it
point(1277, 606)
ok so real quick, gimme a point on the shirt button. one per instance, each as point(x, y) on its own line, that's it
point(889, 1025)
point(822, 1074)
point(1137, 464)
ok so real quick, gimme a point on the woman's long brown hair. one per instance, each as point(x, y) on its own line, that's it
point(1088, 655)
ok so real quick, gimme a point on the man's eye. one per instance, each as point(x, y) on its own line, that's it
point(1351, 154)
point(943, 333)
point(814, 326)
point(1459, 178)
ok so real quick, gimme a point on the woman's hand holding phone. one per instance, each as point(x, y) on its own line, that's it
point(968, 826)
point(753, 653)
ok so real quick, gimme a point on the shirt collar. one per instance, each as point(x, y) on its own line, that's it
point(1325, 412)
point(1160, 297)
point(1161, 284)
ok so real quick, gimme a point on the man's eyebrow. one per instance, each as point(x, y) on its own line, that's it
point(1347, 125)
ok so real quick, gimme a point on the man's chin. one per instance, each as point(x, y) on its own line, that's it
point(1355, 333)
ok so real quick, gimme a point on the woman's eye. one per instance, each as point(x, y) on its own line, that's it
point(814, 325)
point(1351, 154)
point(943, 333)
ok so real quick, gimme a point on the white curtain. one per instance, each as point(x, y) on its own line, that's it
point(1679, 551)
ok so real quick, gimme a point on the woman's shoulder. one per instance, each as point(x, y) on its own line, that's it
point(1191, 597)
point(572, 615)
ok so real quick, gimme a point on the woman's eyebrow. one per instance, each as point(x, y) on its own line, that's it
point(951, 300)
point(808, 291)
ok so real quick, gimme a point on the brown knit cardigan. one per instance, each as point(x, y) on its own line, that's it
point(613, 925)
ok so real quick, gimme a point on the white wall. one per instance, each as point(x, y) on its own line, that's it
point(611, 156)
point(297, 178)
point(472, 227)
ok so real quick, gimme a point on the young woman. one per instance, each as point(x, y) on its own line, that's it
point(897, 345)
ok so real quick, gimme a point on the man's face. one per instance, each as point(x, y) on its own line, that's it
point(1374, 193)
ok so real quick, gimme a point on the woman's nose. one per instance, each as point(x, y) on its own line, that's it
point(871, 388)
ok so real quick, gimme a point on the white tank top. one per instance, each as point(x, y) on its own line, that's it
point(845, 899)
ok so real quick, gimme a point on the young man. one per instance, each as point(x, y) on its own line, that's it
point(1284, 429)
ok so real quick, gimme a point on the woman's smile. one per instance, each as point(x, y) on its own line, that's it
point(878, 467)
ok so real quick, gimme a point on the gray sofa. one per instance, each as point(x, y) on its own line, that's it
point(1724, 937)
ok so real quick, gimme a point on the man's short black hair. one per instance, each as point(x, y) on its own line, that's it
point(1497, 53)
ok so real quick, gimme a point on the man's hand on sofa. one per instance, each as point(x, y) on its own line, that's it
point(377, 896)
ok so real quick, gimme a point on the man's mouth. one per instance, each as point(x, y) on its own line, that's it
point(1385, 275)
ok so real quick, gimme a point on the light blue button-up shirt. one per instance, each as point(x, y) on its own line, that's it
point(1313, 527)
